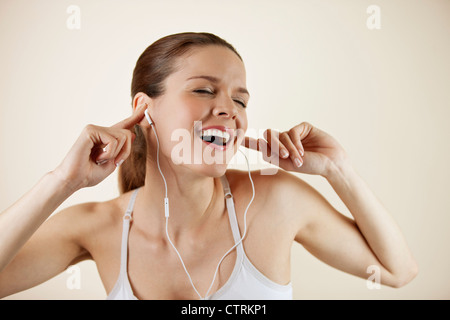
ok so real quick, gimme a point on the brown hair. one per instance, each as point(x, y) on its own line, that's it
point(152, 68)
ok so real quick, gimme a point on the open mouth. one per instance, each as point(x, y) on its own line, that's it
point(215, 137)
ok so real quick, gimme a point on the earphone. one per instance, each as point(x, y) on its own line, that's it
point(150, 122)
point(166, 214)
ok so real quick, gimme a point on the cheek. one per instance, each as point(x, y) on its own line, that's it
point(242, 121)
point(188, 107)
point(180, 112)
point(180, 122)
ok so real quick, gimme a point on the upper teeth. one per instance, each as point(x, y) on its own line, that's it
point(214, 132)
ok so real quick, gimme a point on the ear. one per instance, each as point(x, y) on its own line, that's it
point(139, 99)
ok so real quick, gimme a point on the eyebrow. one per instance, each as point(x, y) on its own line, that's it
point(216, 80)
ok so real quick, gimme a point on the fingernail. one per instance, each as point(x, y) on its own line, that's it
point(298, 163)
point(118, 164)
point(284, 153)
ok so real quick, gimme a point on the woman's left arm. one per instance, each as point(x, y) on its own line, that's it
point(371, 239)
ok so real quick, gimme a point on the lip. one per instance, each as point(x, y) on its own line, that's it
point(215, 146)
point(221, 128)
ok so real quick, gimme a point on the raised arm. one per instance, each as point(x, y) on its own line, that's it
point(371, 238)
point(29, 256)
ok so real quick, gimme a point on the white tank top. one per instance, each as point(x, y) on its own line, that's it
point(245, 283)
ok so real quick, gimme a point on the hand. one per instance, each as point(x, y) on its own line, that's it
point(98, 151)
point(317, 152)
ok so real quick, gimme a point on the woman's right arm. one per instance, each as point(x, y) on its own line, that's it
point(26, 262)
point(29, 256)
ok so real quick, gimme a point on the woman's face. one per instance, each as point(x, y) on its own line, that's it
point(207, 90)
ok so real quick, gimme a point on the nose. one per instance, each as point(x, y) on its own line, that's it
point(226, 107)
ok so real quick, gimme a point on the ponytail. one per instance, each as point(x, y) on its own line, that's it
point(132, 171)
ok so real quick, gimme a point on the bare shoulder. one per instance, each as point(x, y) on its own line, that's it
point(280, 196)
point(88, 213)
point(87, 221)
point(275, 186)
point(76, 233)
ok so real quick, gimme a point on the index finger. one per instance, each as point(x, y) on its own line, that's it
point(250, 143)
point(135, 118)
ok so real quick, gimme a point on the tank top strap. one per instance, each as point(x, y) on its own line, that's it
point(125, 231)
point(232, 213)
point(130, 207)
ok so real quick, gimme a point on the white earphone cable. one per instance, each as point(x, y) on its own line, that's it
point(166, 204)
point(245, 226)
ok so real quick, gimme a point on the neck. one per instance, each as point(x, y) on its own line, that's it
point(193, 199)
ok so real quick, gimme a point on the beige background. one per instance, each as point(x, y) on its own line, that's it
point(384, 94)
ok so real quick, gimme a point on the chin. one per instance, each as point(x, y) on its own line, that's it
point(212, 170)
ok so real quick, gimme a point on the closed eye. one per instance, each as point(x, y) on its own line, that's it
point(203, 91)
point(209, 92)
point(241, 103)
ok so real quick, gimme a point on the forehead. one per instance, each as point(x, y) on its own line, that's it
point(215, 61)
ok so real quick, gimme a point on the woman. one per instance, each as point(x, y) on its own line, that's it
point(189, 82)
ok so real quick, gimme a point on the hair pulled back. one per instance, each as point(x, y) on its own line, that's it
point(155, 64)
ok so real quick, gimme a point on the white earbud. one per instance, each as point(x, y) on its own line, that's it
point(150, 122)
